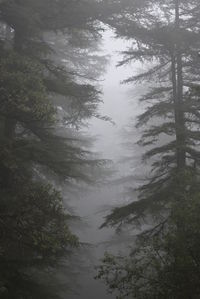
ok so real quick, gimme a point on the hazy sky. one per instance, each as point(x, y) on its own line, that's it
point(119, 103)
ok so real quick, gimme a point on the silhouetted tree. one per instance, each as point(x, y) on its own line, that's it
point(42, 101)
point(164, 262)
point(167, 46)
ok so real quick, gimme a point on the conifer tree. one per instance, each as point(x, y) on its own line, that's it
point(37, 141)
point(165, 39)
point(164, 260)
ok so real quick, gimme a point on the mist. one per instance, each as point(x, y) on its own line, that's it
point(100, 155)
point(98, 201)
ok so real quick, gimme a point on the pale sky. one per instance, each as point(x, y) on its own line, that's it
point(118, 104)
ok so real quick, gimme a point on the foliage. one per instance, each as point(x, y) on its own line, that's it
point(43, 102)
point(167, 48)
point(163, 266)
point(164, 261)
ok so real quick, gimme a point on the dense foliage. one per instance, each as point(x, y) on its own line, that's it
point(164, 262)
point(45, 97)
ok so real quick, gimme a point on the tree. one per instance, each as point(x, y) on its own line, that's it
point(168, 49)
point(164, 262)
point(38, 144)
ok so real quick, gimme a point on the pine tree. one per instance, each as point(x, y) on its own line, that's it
point(167, 45)
point(164, 260)
point(37, 142)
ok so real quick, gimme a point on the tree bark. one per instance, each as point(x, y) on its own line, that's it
point(177, 78)
point(9, 128)
point(181, 139)
point(10, 122)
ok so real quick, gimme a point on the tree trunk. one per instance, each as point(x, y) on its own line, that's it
point(10, 122)
point(9, 128)
point(177, 78)
point(181, 140)
point(8, 38)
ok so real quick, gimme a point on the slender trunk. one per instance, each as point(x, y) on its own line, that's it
point(177, 14)
point(10, 122)
point(8, 38)
point(177, 78)
point(9, 128)
point(18, 41)
point(181, 142)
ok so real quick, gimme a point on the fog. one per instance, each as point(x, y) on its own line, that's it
point(120, 103)
point(100, 149)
